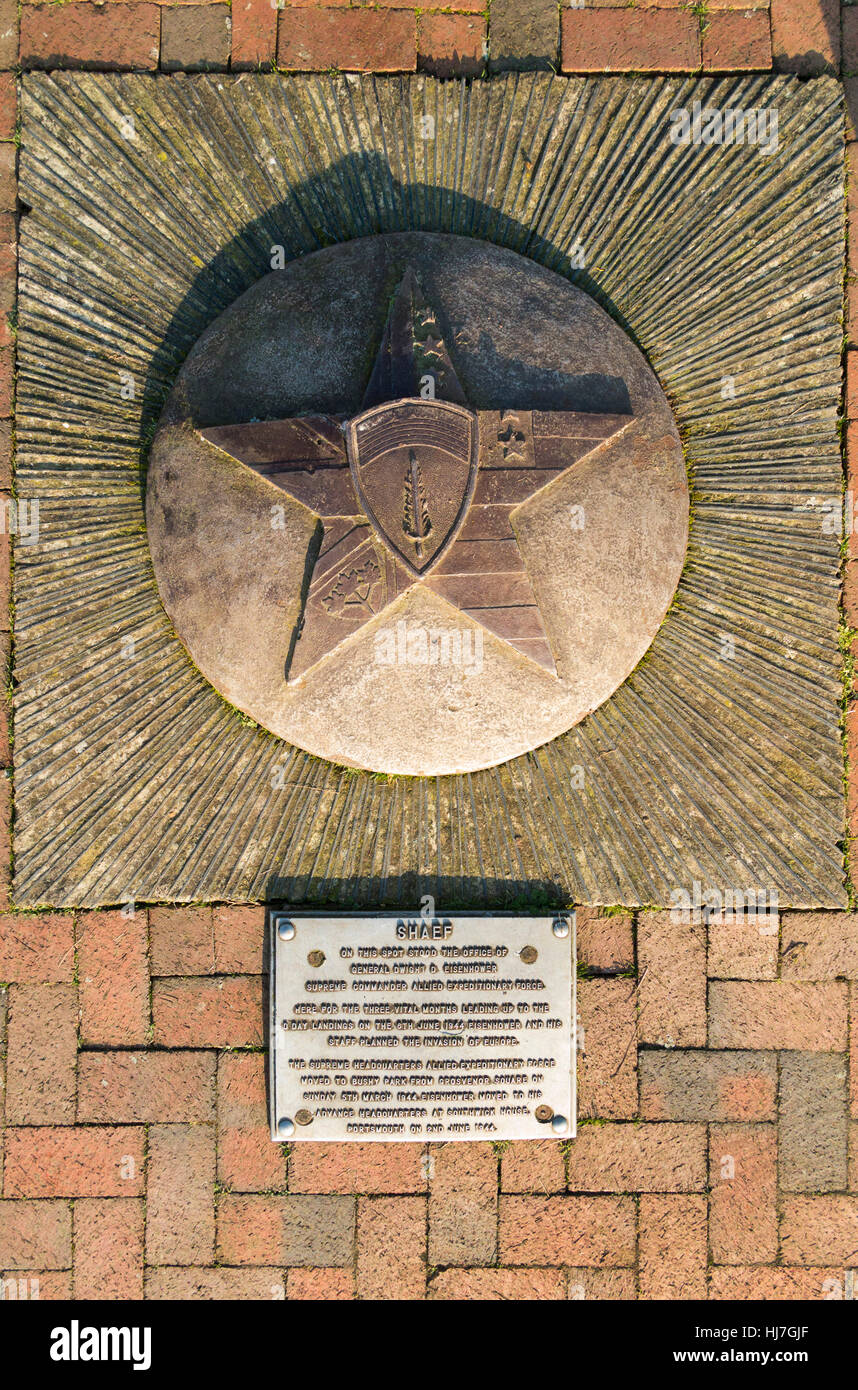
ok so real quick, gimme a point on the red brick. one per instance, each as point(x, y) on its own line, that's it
point(819, 1230)
point(790, 1014)
point(65, 1162)
point(853, 1156)
point(320, 1285)
point(852, 353)
point(813, 1133)
point(141, 1087)
point(239, 940)
point(672, 1247)
point(737, 40)
point(37, 948)
point(764, 1284)
point(708, 1085)
point(180, 1222)
point(42, 1054)
point(451, 45)
point(181, 940)
point(391, 1248)
point(484, 1285)
point(351, 40)
point(5, 745)
point(638, 1158)
point(108, 1248)
point(742, 948)
point(743, 1223)
point(311, 1232)
point(90, 36)
point(530, 1165)
point(247, 1160)
point(254, 33)
point(203, 1285)
point(8, 105)
point(623, 40)
point(473, 6)
point(672, 981)
point(113, 971)
point(594, 1284)
point(852, 308)
point(605, 942)
point(567, 1230)
point(608, 1054)
point(463, 1198)
point(225, 1011)
point(806, 36)
point(35, 1235)
point(364, 1168)
point(820, 945)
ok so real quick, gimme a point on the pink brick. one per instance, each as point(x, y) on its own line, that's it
point(64, 1162)
point(672, 981)
point(463, 1217)
point(180, 1222)
point(638, 1158)
point(197, 1285)
point(36, 949)
point(806, 36)
point(88, 36)
point(254, 33)
point(182, 940)
point(767, 1284)
point(607, 1063)
point(530, 1165)
point(239, 937)
point(605, 942)
point(113, 971)
point(364, 1168)
point(108, 1248)
point(35, 1235)
point(737, 41)
point(820, 945)
point(320, 1285)
point(819, 1230)
point(42, 1054)
point(391, 1248)
point(623, 40)
point(743, 948)
point(128, 1087)
point(743, 1223)
point(508, 1285)
point(247, 1159)
point(567, 1230)
point(784, 1014)
point(224, 1011)
point(672, 1247)
point(351, 40)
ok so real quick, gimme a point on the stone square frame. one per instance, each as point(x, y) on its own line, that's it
point(152, 204)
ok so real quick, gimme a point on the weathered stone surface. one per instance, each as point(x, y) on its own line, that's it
point(813, 1129)
point(134, 775)
point(600, 445)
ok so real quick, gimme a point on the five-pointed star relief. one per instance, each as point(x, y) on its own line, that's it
point(417, 489)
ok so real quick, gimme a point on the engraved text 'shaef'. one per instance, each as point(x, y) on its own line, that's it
point(417, 489)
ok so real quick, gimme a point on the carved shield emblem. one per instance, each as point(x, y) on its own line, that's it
point(414, 466)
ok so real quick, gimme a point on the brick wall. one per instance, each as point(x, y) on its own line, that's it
point(718, 1146)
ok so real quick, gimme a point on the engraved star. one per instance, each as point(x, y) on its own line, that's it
point(417, 491)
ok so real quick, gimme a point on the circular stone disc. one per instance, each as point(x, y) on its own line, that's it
point(603, 544)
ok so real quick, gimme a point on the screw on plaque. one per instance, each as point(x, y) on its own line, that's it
point(316, 958)
point(543, 1113)
point(560, 1124)
point(528, 954)
point(304, 1117)
point(560, 926)
point(285, 929)
point(285, 1127)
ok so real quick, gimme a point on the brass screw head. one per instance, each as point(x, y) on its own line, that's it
point(304, 1117)
point(528, 954)
point(543, 1114)
point(316, 958)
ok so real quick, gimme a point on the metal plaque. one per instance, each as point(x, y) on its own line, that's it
point(395, 1027)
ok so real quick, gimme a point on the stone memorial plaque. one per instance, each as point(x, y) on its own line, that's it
point(412, 1028)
